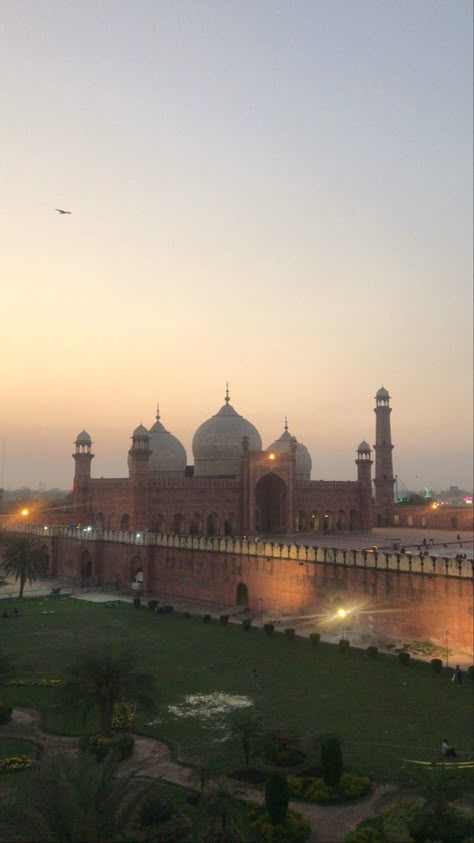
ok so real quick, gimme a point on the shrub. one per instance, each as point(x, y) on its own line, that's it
point(152, 604)
point(437, 665)
point(294, 830)
point(404, 657)
point(316, 790)
point(290, 634)
point(99, 746)
point(344, 645)
point(136, 602)
point(207, 618)
point(367, 834)
point(246, 624)
point(186, 615)
point(315, 638)
point(168, 610)
point(5, 713)
point(154, 810)
point(282, 750)
point(470, 672)
point(269, 628)
point(372, 652)
point(224, 619)
point(331, 760)
point(277, 797)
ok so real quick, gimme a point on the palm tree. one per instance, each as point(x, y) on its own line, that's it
point(223, 807)
point(102, 678)
point(24, 558)
point(72, 800)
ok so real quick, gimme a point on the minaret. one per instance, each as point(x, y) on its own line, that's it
point(364, 479)
point(140, 454)
point(82, 474)
point(384, 479)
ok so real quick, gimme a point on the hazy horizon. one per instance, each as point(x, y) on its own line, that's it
point(271, 194)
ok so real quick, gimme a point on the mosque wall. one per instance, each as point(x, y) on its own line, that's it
point(401, 597)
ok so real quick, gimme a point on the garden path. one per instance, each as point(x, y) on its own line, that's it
point(152, 759)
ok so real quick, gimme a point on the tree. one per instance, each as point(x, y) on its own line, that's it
point(102, 678)
point(72, 800)
point(331, 759)
point(24, 557)
point(277, 797)
point(247, 727)
point(223, 807)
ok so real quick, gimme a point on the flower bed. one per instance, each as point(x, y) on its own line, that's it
point(34, 683)
point(316, 790)
point(15, 763)
point(124, 715)
point(295, 829)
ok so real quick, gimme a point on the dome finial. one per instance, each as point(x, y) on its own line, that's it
point(286, 424)
point(227, 399)
point(158, 412)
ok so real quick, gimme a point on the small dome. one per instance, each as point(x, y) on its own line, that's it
point(83, 438)
point(217, 443)
point(364, 447)
point(382, 394)
point(168, 457)
point(303, 457)
point(140, 431)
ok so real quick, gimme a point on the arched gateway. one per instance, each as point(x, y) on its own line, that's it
point(271, 501)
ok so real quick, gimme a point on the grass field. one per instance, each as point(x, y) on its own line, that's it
point(382, 711)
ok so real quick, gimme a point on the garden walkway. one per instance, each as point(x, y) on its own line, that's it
point(152, 759)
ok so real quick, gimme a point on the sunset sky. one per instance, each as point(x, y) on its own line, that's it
point(273, 194)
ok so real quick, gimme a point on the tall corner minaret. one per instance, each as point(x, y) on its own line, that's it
point(82, 473)
point(364, 479)
point(384, 479)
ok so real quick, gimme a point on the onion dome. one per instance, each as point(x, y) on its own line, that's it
point(363, 447)
point(217, 443)
point(303, 457)
point(140, 431)
point(83, 438)
point(382, 394)
point(168, 457)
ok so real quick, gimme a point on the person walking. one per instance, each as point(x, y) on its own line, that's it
point(447, 750)
point(457, 675)
point(255, 684)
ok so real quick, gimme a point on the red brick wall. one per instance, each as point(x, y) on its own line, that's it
point(420, 607)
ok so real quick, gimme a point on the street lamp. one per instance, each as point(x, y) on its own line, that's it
point(260, 600)
point(447, 648)
point(342, 614)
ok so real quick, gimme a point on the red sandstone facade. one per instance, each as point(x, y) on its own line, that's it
point(267, 493)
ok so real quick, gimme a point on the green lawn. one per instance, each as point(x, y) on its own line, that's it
point(383, 712)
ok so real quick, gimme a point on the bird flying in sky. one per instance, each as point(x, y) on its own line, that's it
point(60, 211)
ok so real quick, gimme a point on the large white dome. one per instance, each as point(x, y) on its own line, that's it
point(217, 443)
point(168, 457)
point(303, 457)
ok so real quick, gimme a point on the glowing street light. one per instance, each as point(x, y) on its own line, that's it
point(342, 613)
point(271, 456)
point(25, 512)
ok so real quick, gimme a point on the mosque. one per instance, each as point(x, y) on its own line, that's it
point(235, 487)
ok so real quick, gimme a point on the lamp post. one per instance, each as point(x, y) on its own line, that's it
point(447, 648)
point(260, 600)
point(342, 614)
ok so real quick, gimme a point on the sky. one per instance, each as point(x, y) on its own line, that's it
point(277, 195)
